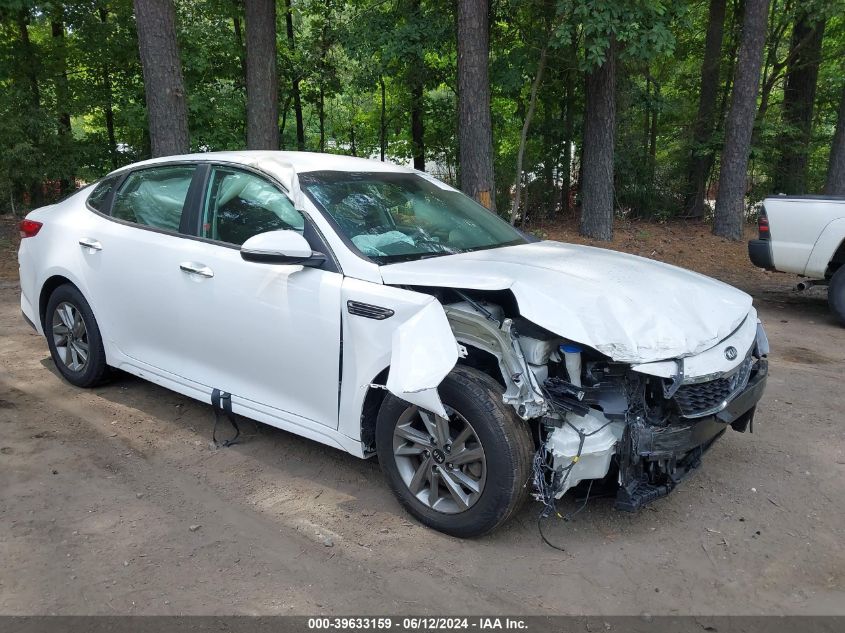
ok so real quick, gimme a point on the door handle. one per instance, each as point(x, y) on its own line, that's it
point(87, 242)
point(196, 269)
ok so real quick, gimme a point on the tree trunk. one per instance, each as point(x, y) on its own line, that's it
point(799, 96)
point(731, 53)
point(730, 201)
point(29, 54)
point(417, 88)
point(475, 130)
point(599, 138)
point(322, 71)
point(262, 87)
point(835, 184)
point(417, 129)
point(109, 114)
point(239, 41)
point(652, 134)
point(164, 88)
point(701, 156)
point(321, 113)
point(285, 109)
point(532, 103)
point(650, 145)
point(647, 111)
point(382, 131)
point(57, 29)
point(297, 99)
point(568, 125)
point(773, 68)
point(108, 108)
point(33, 186)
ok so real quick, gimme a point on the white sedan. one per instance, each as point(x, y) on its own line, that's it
point(381, 312)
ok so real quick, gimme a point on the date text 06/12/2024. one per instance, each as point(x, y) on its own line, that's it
point(416, 623)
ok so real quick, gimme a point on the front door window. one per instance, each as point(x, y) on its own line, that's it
point(240, 204)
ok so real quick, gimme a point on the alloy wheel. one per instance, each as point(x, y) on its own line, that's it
point(441, 460)
point(70, 336)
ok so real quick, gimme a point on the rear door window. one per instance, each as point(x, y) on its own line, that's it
point(154, 197)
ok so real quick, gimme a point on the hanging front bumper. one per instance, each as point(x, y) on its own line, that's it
point(654, 459)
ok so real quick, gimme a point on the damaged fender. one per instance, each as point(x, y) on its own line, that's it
point(423, 352)
point(394, 340)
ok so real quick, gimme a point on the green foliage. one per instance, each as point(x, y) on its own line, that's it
point(211, 63)
point(346, 49)
point(642, 28)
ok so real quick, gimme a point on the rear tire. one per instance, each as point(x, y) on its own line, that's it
point(836, 294)
point(73, 337)
point(494, 448)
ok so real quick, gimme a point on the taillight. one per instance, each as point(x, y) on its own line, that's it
point(30, 228)
point(763, 226)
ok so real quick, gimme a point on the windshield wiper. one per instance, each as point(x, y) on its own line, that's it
point(412, 257)
point(487, 247)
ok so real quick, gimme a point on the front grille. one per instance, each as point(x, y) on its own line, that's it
point(704, 398)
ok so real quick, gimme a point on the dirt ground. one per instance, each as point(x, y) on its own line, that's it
point(113, 501)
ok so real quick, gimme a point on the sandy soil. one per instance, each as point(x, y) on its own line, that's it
point(113, 501)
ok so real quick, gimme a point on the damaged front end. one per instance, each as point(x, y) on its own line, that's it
point(647, 424)
point(659, 429)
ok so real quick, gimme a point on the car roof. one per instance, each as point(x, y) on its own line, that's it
point(281, 164)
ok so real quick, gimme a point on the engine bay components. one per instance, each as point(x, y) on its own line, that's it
point(582, 448)
point(572, 359)
point(498, 338)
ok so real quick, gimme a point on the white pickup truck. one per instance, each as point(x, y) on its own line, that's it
point(804, 235)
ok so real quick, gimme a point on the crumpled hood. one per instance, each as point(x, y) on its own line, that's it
point(629, 308)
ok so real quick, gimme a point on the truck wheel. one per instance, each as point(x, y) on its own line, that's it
point(465, 475)
point(74, 338)
point(836, 294)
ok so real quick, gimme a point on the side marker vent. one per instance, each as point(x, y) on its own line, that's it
point(368, 311)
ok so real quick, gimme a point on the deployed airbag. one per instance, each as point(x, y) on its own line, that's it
point(371, 244)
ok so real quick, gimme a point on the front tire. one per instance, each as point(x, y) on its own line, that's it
point(464, 476)
point(73, 337)
point(836, 294)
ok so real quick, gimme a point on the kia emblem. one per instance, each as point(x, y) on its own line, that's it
point(730, 352)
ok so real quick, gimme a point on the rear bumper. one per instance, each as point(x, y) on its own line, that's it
point(654, 459)
point(760, 254)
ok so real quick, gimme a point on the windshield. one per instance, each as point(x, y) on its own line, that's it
point(392, 217)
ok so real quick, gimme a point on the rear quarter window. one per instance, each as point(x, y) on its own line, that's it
point(99, 197)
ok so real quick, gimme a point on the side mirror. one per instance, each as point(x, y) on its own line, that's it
point(280, 247)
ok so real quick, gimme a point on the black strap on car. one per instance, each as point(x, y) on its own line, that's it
point(222, 401)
